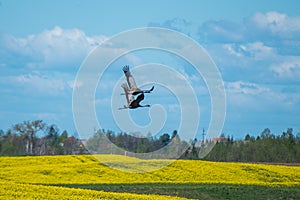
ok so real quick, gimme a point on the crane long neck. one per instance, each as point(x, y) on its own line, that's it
point(144, 105)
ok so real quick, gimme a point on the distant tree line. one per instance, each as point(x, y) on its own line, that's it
point(131, 143)
point(38, 138)
point(267, 147)
point(108, 142)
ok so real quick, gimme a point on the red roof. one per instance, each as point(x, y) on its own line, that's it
point(220, 139)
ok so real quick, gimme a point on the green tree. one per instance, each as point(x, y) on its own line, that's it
point(164, 139)
point(7, 146)
point(53, 141)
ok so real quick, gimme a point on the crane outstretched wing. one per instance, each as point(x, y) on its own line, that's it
point(130, 80)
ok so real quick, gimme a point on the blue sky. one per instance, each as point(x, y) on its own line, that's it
point(255, 45)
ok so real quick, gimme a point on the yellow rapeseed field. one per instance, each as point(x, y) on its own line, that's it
point(12, 191)
point(26, 177)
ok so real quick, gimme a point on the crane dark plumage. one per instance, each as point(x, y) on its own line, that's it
point(136, 103)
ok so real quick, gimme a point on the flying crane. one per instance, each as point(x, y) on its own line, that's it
point(131, 90)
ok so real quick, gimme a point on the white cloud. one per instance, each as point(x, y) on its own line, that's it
point(260, 51)
point(274, 23)
point(271, 20)
point(103, 103)
point(256, 50)
point(183, 75)
point(174, 108)
point(270, 26)
point(37, 84)
point(232, 50)
point(240, 87)
point(177, 24)
point(51, 48)
point(221, 31)
point(263, 48)
point(251, 97)
point(74, 84)
point(288, 70)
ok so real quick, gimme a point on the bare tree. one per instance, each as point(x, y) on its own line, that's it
point(28, 131)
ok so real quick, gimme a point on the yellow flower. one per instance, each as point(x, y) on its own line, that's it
point(27, 177)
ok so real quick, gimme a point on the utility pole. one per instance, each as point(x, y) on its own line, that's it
point(203, 136)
